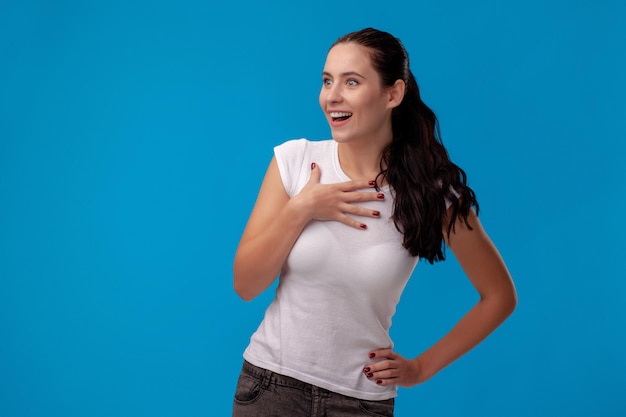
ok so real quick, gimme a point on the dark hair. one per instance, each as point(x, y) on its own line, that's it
point(416, 164)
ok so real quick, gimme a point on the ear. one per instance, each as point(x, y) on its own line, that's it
point(396, 94)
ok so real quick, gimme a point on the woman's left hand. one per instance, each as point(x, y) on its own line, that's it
point(393, 369)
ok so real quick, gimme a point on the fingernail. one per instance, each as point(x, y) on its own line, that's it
point(372, 355)
point(379, 381)
point(366, 369)
point(313, 165)
point(363, 226)
point(370, 375)
point(380, 196)
point(372, 183)
point(376, 213)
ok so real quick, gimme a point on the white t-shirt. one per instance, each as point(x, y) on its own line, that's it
point(337, 290)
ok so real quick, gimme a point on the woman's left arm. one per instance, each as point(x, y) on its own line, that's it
point(485, 268)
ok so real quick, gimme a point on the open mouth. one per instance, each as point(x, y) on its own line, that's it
point(340, 116)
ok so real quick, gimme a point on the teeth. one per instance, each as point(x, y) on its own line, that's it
point(340, 114)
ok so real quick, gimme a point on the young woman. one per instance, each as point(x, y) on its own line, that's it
point(343, 222)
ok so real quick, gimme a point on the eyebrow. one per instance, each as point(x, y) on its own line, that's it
point(344, 74)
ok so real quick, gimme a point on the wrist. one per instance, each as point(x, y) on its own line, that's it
point(423, 371)
point(298, 210)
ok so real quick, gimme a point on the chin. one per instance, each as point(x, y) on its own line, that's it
point(340, 137)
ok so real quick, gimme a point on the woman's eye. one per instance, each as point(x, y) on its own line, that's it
point(352, 82)
point(326, 81)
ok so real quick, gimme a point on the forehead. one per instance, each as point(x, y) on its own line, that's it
point(348, 56)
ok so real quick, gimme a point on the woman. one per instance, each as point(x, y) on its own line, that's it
point(344, 222)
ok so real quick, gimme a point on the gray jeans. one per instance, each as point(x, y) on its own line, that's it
point(262, 393)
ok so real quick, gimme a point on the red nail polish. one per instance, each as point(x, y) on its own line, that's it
point(376, 213)
point(372, 355)
point(313, 165)
point(363, 226)
point(380, 196)
point(370, 375)
point(379, 381)
point(372, 183)
point(366, 369)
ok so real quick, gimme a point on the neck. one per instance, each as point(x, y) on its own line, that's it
point(360, 161)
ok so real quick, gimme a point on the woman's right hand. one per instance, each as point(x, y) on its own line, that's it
point(334, 202)
point(277, 220)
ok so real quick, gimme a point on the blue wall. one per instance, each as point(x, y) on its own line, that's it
point(133, 139)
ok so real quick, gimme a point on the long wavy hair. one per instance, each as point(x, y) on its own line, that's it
point(416, 164)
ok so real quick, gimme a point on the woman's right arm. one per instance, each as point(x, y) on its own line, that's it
point(277, 221)
point(272, 230)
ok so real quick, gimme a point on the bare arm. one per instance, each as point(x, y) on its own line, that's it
point(484, 267)
point(272, 229)
point(277, 221)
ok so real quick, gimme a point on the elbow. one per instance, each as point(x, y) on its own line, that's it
point(243, 292)
point(508, 307)
point(250, 280)
point(242, 286)
point(508, 301)
point(503, 302)
point(513, 301)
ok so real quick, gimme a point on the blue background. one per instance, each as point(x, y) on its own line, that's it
point(134, 136)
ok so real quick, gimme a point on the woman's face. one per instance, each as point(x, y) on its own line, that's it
point(352, 97)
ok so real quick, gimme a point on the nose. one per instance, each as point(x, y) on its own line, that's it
point(333, 94)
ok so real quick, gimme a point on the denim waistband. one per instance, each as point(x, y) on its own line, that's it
point(267, 377)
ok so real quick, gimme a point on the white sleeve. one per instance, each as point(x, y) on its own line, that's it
point(289, 158)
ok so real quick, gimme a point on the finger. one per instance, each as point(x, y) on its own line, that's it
point(382, 376)
point(385, 374)
point(383, 353)
point(354, 196)
point(359, 211)
point(385, 377)
point(316, 173)
point(349, 221)
point(385, 382)
point(380, 369)
point(357, 185)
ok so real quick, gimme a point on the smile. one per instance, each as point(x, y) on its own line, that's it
point(340, 116)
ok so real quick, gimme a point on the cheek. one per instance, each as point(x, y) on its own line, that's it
point(374, 117)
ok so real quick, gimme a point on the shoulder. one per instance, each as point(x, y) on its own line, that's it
point(294, 158)
point(299, 150)
point(302, 145)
